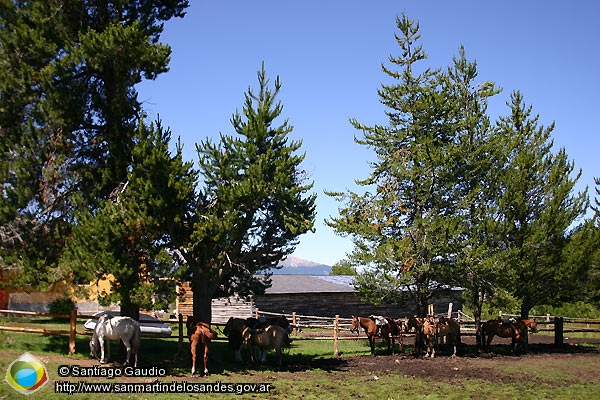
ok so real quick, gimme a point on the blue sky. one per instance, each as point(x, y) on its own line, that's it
point(328, 56)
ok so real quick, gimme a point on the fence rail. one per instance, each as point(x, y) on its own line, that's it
point(334, 328)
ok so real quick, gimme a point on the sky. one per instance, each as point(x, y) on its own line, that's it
point(328, 56)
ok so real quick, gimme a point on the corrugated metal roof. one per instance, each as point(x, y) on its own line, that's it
point(310, 284)
point(297, 283)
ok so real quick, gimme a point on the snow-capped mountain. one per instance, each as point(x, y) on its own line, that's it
point(300, 266)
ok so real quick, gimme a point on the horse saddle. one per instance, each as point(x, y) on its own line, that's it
point(379, 320)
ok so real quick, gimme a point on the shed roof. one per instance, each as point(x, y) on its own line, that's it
point(310, 284)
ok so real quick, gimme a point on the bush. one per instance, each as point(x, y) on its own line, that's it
point(572, 310)
point(62, 306)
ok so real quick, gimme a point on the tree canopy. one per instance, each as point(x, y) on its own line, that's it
point(453, 198)
point(254, 202)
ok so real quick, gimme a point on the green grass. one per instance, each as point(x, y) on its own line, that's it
point(310, 371)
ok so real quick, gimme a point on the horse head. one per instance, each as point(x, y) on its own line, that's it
point(94, 346)
point(228, 326)
point(530, 323)
point(355, 324)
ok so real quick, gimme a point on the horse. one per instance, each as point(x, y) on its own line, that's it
point(110, 328)
point(388, 330)
point(235, 326)
point(424, 334)
point(199, 333)
point(272, 336)
point(513, 329)
point(449, 328)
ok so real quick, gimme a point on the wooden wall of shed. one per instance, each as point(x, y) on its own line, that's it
point(344, 304)
point(222, 308)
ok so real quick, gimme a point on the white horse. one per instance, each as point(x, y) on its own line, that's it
point(115, 328)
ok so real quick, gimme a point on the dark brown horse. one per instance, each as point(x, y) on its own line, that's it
point(425, 331)
point(514, 329)
point(389, 330)
point(199, 333)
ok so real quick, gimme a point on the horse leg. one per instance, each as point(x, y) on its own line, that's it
point(372, 344)
point(205, 359)
point(488, 341)
point(102, 361)
point(128, 347)
point(252, 352)
point(278, 351)
point(263, 355)
point(238, 355)
point(193, 350)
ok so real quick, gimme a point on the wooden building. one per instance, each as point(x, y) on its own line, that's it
point(313, 295)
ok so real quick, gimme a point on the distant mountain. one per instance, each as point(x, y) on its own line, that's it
point(298, 266)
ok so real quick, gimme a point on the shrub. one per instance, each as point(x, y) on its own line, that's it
point(61, 306)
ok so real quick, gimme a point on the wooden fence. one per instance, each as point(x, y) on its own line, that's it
point(329, 328)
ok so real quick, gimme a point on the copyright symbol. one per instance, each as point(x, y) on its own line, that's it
point(64, 370)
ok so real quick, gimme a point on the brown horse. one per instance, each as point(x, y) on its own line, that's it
point(389, 330)
point(514, 329)
point(424, 334)
point(450, 329)
point(199, 333)
point(271, 336)
point(235, 326)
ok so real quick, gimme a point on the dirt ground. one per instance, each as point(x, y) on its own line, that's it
point(472, 363)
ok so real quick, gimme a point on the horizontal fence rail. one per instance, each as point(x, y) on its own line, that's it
point(333, 328)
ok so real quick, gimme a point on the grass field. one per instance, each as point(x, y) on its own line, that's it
point(311, 372)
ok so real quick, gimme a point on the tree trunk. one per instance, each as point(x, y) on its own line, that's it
point(525, 308)
point(202, 296)
point(477, 306)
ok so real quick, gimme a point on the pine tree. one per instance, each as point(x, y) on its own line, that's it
point(401, 229)
point(128, 239)
point(68, 114)
point(475, 161)
point(537, 208)
point(253, 206)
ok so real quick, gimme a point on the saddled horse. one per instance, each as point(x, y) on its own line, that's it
point(235, 326)
point(110, 328)
point(424, 334)
point(272, 336)
point(450, 329)
point(199, 333)
point(388, 330)
point(514, 329)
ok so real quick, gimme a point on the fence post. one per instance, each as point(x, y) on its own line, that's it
point(295, 329)
point(180, 343)
point(450, 310)
point(559, 323)
point(336, 327)
point(73, 331)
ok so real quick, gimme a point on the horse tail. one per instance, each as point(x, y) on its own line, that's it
point(135, 339)
point(210, 334)
point(482, 333)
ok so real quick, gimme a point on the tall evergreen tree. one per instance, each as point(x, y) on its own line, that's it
point(537, 208)
point(254, 203)
point(128, 239)
point(401, 230)
point(475, 161)
point(68, 114)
